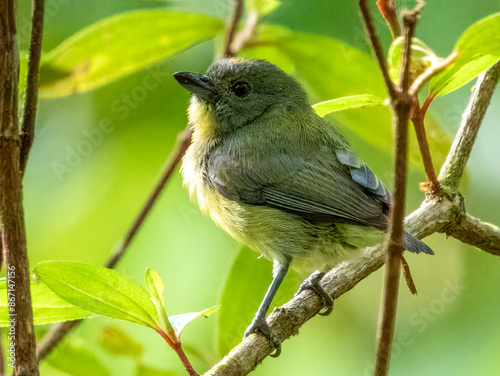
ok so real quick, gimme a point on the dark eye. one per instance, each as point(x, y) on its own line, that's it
point(241, 89)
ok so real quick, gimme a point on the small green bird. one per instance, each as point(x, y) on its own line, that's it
point(277, 177)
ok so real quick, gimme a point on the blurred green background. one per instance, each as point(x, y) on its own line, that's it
point(81, 213)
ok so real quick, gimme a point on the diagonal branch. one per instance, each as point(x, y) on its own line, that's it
point(377, 48)
point(30, 107)
point(57, 333)
point(454, 166)
point(233, 26)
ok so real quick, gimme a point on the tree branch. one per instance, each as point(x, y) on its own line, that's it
point(481, 234)
point(401, 105)
point(454, 166)
point(377, 48)
point(30, 107)
point(13, 230)
point(233, 27)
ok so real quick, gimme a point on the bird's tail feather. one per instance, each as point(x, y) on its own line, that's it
point(414, 245)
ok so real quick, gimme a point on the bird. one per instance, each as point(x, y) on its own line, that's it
point(279, 178)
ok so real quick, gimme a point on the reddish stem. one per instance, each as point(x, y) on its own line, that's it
point(386, 8)
point(177, 347)
point(417, 117)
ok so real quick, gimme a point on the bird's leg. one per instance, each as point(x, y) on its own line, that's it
point(259, 323)
point(313, 283)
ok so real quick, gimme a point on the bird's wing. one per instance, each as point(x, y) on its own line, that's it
point(326, 184)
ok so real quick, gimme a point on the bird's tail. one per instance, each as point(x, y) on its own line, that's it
point(414, 245)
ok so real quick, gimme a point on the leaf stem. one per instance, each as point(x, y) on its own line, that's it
point(388, 11)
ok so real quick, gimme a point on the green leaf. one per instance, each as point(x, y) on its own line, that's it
point(119, 45)
point(74, 359)
point(328, 69)
point(180, 321)
point(100, 290)
point(347, 103)
point(48, 307)
point(422, 57)
point(248, 281)
point(477, 49)
point(262, 7)
point(118, 342)
point(460, 74)
point(155, 288)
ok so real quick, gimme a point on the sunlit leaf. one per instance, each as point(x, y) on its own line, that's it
point(262, 7)
point(347, 103)
point(100, 290)
point(180, 321)
point(119, 45)
point(477, 49)
point(244, 290)
point(75, 359)
point(155, 288)
point(48, 307)
point(117, 341)
point(461, 73)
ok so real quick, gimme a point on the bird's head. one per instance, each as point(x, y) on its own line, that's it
point(236, 92)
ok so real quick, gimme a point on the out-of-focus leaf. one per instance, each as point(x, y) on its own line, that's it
point(143, 370)
point(76, 360)
point(422, 57)
point(262, 7)
point(23, 71)
point(48, 307)
point(347, 103)
point(155, 288)
point(180, 321)
point(118, 342)
point(330, 69)
point(119, 45)
point(100, 290)
point(477, 49)
point(244, 290)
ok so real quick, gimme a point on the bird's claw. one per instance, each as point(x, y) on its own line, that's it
point(259, 325)
point(313, 283)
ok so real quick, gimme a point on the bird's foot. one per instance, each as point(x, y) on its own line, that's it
point(259, 325)
point(313, 283)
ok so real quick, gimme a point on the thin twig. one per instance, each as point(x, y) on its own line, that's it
point(377, 48)
point(183, 142)
point(417, 117)
point(454, 166)
point(248, 32)
point(30, 106)
point(233, 26)
point(429, 73)
point(401, 107)
point(482, 235)
point(388, 11)
point(57, 334)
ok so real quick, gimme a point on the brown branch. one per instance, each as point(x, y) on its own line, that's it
point(13, 230)
point(233, 26)
point(417, 117)
point(377, 48)
point(30, 106)
point(388, 11)
point(57, 334)
point(401, 106)
point(454, 166)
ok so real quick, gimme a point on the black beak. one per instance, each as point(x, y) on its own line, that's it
point(198, 84)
